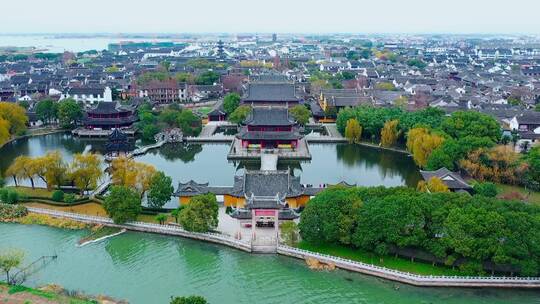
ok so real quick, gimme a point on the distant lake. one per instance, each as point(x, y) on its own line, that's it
point(54, 44)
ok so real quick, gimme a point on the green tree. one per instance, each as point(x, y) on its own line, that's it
point(240, 114)
point(189, 300)
point(69, 113)
point(149, 131)
point(231, 102)
point(486, 189)
point(122, 204)
point(161, 190)
point(207, 78)
point(200, 214)
point(190, 123)
point(10, 259)
point(301, 114)
point(176, 213)
point(161, 218)
point(47, 110)
point(471, 123)
point(169, 117)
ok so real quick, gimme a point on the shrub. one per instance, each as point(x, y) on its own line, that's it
point(228, 210)
point(58, 196)
point(13, 197)
point(8, 196)
point(486, 189)
point(11, 212)
point(69, 198)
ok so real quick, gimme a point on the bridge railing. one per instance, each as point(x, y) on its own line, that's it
point(152, 226)
point(401, 274)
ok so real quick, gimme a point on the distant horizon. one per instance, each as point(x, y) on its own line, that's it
point(270, 33)
point(279, 16)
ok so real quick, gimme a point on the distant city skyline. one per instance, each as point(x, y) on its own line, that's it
point(279, 16)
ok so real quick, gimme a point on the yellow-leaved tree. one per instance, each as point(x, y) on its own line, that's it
point(353, 131)
point(129, 173)
point(51, 168)
point(23, 167)
point(4, 131)
point(85, 171)
point(433, 185)
point(421, 143)
point(15, 115)
point(390, 133)
point(499, 164)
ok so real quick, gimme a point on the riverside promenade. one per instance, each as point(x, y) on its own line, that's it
point(345, 264)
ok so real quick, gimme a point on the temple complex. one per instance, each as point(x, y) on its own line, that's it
point(256, 193)
point(269, 129)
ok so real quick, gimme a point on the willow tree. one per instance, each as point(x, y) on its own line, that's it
point(85, 170)
point(353, 131)
point(52, 169)
point(129, 173)
point(23, 167)
point(421, 143)
point(390, 133)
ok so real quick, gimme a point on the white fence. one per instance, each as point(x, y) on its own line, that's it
point(369, 269)
point(410, 278)
point(149, 227)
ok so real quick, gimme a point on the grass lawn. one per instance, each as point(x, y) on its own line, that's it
point(32, 192)
point(94, 209)
point(204, 110)
point(386, 261)
point(530, 196)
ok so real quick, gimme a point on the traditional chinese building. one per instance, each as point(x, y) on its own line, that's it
point(109, 115)
point(271, 93)
point(452, 180)
point(118, 143)
point(255, 190)
point(268, 128)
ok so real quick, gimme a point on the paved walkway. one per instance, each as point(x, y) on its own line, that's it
point(269, 161)
point(410, 278)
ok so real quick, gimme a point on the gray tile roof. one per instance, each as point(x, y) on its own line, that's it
point(452, 179)
point(279, 92)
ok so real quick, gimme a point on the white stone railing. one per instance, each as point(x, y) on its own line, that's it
point(411, 278)
point(149, 227)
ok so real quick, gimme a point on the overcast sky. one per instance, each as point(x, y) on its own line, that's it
point(291, 16)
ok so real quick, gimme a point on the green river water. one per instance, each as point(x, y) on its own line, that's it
point(146, 268)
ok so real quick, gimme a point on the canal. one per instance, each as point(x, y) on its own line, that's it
point(146, 268)
point(331, 163)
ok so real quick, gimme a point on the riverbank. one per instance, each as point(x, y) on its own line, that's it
point(49, 294)
point(387, 261)
point(343, 263)
point(34, 132)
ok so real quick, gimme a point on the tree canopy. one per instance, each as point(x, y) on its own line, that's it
point(122, 204)
point(301, 114)
point(161, 190)
point(458, 229)
point(200, 214)
point(231, 102)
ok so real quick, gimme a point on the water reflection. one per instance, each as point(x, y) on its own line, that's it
point(331, 163)
point(178, 151)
